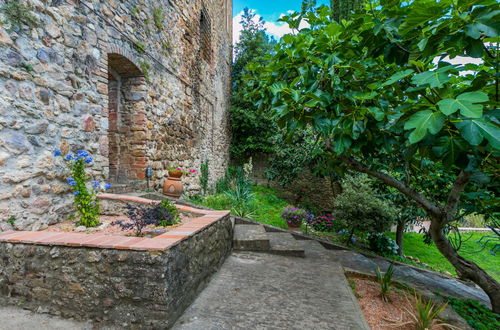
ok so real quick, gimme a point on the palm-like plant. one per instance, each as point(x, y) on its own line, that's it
point(385, 281)
point(427, 313)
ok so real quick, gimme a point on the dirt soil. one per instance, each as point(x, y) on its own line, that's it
point(108, 228)
point(381, 315)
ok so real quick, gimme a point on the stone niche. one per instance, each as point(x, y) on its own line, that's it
point(127, 130)
point(143, 287)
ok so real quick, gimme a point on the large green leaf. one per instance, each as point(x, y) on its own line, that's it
point(397, 77)
point(423, 122)
point(448, 148)
point(436, 78)
point(467, 103)
point(475, 130)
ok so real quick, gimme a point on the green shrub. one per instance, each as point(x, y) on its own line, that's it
point(360, 209)
point(170, 208)
point(240, 196)
point(217, 202)
point(476, 315)
point(382, 244)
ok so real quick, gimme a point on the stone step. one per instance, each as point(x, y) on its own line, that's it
point(285, 244)
point(250, 238)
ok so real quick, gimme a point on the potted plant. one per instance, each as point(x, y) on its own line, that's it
point(294, 217)
point(173, 186)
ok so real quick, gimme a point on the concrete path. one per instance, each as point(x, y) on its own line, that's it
point(16, 318)
point(264, 291)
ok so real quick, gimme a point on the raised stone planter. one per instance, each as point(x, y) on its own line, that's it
point(132, 282)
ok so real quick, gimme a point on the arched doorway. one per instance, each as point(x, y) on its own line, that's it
point(127, 120)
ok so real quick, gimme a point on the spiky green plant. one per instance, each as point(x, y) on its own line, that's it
point(427, 313)
point(385, 281)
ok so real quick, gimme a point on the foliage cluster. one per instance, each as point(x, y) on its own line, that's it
point(359, 208)
point(476, 315)
point(84, 192)
point(264, 207)
point(170, 207)
point(142, 216)
point(382, 244)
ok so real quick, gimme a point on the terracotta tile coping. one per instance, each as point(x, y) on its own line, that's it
point(158, 243)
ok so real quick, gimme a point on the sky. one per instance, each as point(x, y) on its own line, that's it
point(270, 11)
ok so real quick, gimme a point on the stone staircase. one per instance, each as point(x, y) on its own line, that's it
point(253, 237)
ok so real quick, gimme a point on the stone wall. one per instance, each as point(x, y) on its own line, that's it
point(131, 289)
point(168, 67)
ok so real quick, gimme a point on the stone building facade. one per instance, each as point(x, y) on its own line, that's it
point(138, 83)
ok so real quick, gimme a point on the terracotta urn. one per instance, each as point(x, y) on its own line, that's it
point(294, 225)
point(173, 184)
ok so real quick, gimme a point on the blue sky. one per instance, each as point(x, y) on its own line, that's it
point(270, 10)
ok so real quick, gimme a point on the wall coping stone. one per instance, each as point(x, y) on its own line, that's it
point(163, 242)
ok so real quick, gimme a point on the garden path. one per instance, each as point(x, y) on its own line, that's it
point(264, 291)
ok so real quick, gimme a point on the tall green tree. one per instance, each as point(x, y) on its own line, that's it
point(380, 91)
point(251, 129)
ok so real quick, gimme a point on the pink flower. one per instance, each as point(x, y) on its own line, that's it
point(192, 171)
point(179, 169)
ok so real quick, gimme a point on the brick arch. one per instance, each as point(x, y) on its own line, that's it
point(119, 54)
point(127, 118)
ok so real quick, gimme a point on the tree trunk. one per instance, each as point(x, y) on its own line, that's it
point(465, 269)
point(400, 230)
point(439, 216)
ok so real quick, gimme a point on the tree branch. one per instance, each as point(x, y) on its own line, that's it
point(389, 180)
point(454, 195)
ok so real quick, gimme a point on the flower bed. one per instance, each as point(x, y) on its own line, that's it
point(121, 280)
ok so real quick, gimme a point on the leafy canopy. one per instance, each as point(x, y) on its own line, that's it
point(385, 83)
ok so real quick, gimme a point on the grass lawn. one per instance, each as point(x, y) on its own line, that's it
point(471, 250)
point(266, 205)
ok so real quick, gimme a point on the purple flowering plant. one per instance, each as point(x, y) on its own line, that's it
point(295, 216)
point(85, 196)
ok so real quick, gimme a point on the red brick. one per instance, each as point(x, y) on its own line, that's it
point(6, 236)
point(153, 244)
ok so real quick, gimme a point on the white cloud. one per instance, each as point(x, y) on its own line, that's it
point(276, 29)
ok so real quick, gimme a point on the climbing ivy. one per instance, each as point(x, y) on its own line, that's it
point(145, 67)
point(158, 17)
point(17, 15)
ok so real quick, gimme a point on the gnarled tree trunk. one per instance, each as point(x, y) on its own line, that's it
point(466, 269)
point(441, 215)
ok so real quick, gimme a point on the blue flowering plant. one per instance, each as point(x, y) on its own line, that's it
point(294, 217)
point(84, 191)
